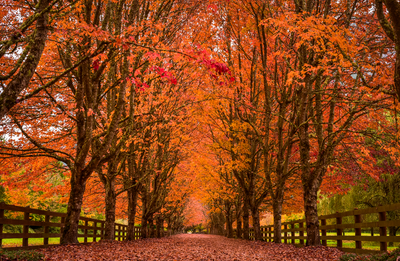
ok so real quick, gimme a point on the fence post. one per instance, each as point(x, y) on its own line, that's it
point(357, 220)
point(301, 226)
point(94, 230)
point(46, 230)
point(26, 229)
point(85, 231)
point(269, 234)
point(285, 234)
point(292, 233)
point(323, 231)
point(382, 231)
point(339, 231)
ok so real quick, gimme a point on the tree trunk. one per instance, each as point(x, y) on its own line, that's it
point(311, 213)
point(277, 208)
point(151, 227)
point(144, 227)
point(132, 202)
point(229, 220)
point(239, 233)
point(10, 93)
point(229, 227)
point(70, 228)
point(111, 198)
point(256, 223)
point(160, 229)
point(246, 228)
point(397, 69)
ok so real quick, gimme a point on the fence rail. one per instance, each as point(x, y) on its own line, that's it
point(51, 224)
point(294, 232)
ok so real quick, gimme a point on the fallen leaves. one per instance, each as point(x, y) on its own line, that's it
point(190, 247)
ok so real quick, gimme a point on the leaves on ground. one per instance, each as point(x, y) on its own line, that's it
point(190, 247)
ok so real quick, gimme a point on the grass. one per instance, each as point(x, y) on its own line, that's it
point(16, 242)
point(371, 245)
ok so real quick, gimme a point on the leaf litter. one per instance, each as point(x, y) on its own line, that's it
point(190, 247)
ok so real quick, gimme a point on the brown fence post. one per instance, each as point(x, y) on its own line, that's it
point(26, 229)
point(339, 231)
point(46, 230)
point(357, 220)
point(301, 226)
point(94, 230)
point(285, 234)
point(270, 234)
point(382, 231)
point(85, 232)
point(292, 233)
point(323, 232)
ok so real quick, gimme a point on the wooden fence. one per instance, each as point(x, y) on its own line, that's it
point(50, 225)
point(373, 219)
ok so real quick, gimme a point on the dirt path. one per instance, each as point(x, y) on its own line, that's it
point(190, 247)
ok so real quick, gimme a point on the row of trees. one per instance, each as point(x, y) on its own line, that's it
point(96, 86)
point(265, 98)
point(314, 83)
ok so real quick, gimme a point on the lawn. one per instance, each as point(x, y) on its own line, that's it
point(372, 245)
point(15, 242)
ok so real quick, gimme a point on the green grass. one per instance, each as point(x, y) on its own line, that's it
point(16, 242)
point(371, 245)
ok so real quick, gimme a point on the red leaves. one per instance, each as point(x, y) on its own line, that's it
point(190, 247)
point(139, 84)
point(165, 74)
point(219, 68)
point(96, 65)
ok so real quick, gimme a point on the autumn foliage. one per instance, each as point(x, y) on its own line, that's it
point(195, 113)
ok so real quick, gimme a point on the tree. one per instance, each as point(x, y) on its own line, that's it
point(30, 34)
point(391, 28)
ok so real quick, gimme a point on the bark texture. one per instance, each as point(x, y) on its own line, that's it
point(246, 227)
point(132, 202)
point(19, 82)
point(277, 209)
point(70, 228)
point(111, 198)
